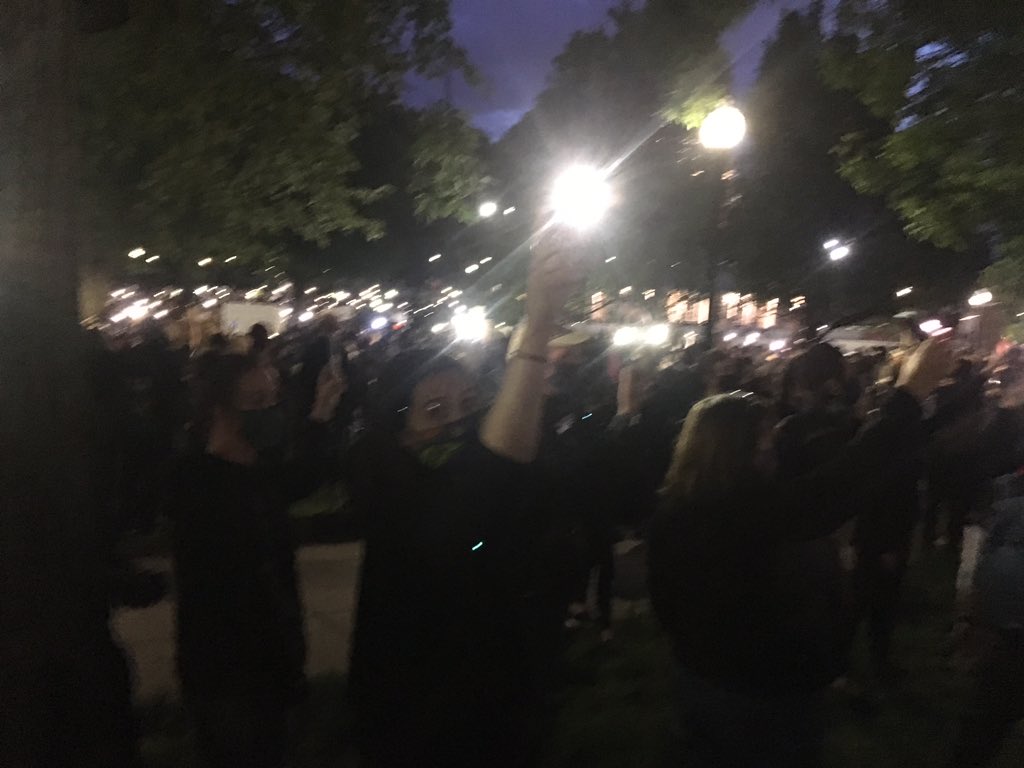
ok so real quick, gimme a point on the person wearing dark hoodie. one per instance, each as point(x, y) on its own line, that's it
point(437, 676)
point(751, 662)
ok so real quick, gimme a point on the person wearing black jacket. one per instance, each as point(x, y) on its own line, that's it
point(438, 675)
point(751, 660)
point(240, 644)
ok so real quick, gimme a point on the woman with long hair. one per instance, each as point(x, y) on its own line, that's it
point(752, 649)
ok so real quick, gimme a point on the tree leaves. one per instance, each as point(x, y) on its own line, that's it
point(448, 173)
point(225, 130)
point(946, 78)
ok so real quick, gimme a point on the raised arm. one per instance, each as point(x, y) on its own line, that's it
point(816, 504)
point(512, 427)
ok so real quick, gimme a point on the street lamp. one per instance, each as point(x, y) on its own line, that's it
point(488, 209)
point(581, 196)
point(836, 249)
point(724, 128)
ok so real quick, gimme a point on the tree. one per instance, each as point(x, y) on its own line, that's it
point(61, 678)
point(943, 75)
point(229, 130)
point(794, 199)
point(617, 97)
point(56, 653)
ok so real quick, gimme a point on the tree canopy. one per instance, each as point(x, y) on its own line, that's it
point(945, 77)
point(229, 130)
point(794, 199)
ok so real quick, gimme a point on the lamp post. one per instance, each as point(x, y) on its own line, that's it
point(720, 132)
point(837, 249)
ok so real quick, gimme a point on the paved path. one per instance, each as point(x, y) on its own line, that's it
point(328, 575)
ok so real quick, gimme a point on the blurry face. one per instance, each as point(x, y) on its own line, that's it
point(438, 401)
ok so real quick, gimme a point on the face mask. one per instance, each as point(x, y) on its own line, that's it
point(266, 428)
point(440, 449)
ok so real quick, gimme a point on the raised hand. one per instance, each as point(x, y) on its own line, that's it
point(924, 368)
point(554, 272)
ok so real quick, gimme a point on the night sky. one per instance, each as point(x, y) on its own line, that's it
point(512, 43)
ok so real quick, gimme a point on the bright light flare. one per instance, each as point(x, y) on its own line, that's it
point(730, 336)
point(841, 252)
point(751, 338)
point(828, 245)
point(904, 291)
point(378, 322)
point(472, 268)
point(930, 326)
point(980, 298)
point(656, 335)
point(724, 128)
point(488, 209)
point(580, 197)
point(435, 257)
point(777, 346)
point(205, 262)
point(625, 337)
point(471, 325)
point(135, 253)
point(306, 316)
point(283, 313)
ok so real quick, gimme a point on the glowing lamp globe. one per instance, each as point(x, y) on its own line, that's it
point(580, 197)
point(488, 209)
point(723, 129)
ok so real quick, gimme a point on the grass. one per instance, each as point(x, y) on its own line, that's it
point(616, 707)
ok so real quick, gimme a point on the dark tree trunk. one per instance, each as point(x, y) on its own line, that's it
point(62, 681)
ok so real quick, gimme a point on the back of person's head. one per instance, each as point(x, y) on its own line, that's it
point(814, 378)
point(260, 337)
point(717, 448)
point(218, 342)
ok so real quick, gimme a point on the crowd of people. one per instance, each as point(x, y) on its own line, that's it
point(777, 500)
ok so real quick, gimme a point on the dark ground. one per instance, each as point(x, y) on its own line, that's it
point(616, 709)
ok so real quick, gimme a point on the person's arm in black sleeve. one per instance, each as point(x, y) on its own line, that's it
point(1002, 441)
point(816, 504)
point(315, 460)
